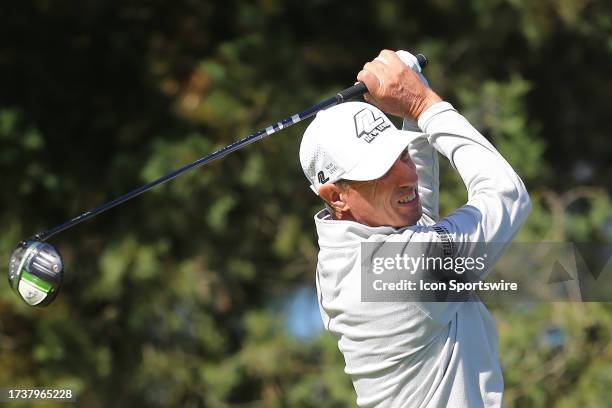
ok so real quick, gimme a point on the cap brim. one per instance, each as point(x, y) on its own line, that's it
point(378, 160)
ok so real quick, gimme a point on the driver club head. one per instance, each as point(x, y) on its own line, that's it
point(36, 272)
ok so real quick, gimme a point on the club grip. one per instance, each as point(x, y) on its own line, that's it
point(349, 93)
point(422, 60)
point(359, 88)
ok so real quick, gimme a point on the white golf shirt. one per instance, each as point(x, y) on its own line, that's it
point(424, 354)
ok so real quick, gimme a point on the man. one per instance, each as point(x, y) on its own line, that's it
point(380, 186)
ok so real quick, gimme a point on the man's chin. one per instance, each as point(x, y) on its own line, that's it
point(411, 219)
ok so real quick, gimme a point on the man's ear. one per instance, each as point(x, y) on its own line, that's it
point(334, 196)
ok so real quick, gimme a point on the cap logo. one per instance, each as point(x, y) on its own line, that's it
point(322, 178)
point(368, 125)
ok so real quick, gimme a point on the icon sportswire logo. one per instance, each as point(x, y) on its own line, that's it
point(368, 125)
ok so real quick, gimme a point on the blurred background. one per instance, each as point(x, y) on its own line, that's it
point(201, 292)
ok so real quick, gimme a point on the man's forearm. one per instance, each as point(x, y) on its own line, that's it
point(493, 186)
point(425, 158)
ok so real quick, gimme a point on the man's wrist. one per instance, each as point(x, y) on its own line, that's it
point(427, 117)
point(428, 101)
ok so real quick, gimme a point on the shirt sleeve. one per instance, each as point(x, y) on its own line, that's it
point(498, 202)
point(425, 157)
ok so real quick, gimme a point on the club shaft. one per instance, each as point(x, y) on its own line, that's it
point(291, 120)
point(349, 93)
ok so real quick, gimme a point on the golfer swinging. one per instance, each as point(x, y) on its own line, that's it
point(380, 185)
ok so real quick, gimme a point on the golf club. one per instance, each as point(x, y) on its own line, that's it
point(36, 267)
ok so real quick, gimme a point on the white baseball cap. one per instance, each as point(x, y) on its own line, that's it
point(351, 141)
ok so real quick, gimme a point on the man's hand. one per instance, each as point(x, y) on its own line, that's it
point(395, 88)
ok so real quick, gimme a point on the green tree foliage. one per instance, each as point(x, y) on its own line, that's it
point(173, 299)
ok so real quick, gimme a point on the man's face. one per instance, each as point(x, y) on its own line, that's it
point(391, 200)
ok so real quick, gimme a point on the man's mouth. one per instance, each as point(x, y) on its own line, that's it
point(410, 196)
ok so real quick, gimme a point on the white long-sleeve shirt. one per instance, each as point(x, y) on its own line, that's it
point(424, 354)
